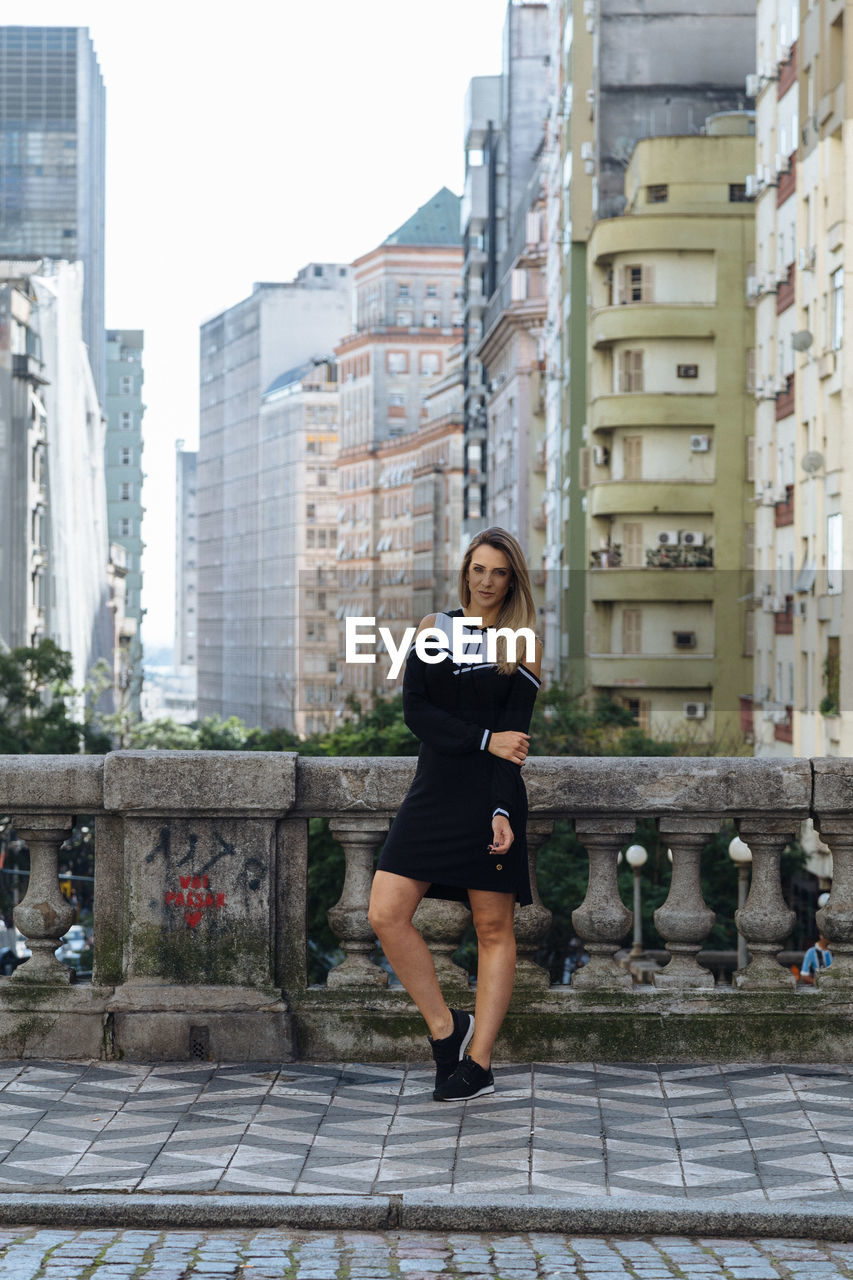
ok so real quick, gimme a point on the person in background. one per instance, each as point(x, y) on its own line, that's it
point(816, 958)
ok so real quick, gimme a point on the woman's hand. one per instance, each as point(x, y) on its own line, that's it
point(510, 745)
point(502, 832)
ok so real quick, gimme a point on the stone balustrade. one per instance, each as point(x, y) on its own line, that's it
point(201, 893)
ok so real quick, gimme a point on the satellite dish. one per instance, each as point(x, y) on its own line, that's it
point(802, 340)
point(812, 461)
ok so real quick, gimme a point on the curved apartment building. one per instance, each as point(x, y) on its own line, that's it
point(667, 465)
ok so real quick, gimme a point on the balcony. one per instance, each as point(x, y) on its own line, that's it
point(785, 509)
point(652, 409)
point(678, 556)
point(201, 892)
point(785, 399)
point(613, 497)
point(647, 320)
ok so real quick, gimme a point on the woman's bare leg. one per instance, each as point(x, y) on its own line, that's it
point(393, 901)
point(493, 917)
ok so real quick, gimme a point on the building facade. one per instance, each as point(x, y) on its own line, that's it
point(670, 623)
point(57, 580)
point(52, 161)
point(298, 504)
point(243, 351)
point(408, 318)
point(124, 410)
point(803, 490)
point(186, 561)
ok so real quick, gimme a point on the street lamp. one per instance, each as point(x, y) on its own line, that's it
point(741, 855)
point(636, 857)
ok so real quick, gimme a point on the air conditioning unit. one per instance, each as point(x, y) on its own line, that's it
point(780, 715)
point(668, 538)
point(601, 455)
point(753, 85)
point(768, 71)
point(771, 604)
point(807, 258)
point(587, 151)
point(700, 444)
point(783, 53)
point(778, 493)
point(695, 710)
point(768, 282)
point(780, 388)
point(692, 538)
point(752, 186)
point(753, 288)
point(684, 639)
point(781, 274)
point(783, 163)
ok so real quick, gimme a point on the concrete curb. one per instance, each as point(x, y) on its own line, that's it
point(592, 1216)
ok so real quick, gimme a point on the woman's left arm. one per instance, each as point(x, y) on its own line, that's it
point(516, 715)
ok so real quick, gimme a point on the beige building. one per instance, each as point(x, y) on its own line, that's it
point(803, 491)
point(408, 317)
point(668, 456)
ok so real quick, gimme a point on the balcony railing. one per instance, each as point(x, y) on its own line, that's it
point(201, 892)
point(673, 556)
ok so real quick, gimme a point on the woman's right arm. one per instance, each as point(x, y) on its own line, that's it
point(439, 729)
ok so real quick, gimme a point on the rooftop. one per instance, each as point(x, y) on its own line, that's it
point(436, 222)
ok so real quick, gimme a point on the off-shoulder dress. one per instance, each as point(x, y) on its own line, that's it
point(444, 826)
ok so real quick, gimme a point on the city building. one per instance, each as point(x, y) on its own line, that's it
point(667, 469)
point(243, 351)
point(57, 579)
point(52, 161)
point(803, 489)
point(408, 318)
point(569, 170)
point(504, 131)
point(124, 476)
point(298, 507)
point(186, 561)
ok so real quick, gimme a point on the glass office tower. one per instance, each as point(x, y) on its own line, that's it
point(52, 160)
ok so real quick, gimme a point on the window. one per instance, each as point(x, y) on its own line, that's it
point(404, 319)
point(310, 511)
point(397, 362)
point(837, 308)
point(126, 385)
point(309, 537)
point(658, 193)
point(750, 458)
point(126, 420)
point(432, 291)
point(318, 272)
point(636, 283)
point(833, 554)
point(403, 292)
point(630, 370)
point(633, 457)
point(126, 492)
point(688, 370)
point(322, 477)
point(397, 400)
point(432, 320)
point(737, 192)
point(126, 457)
point(125, 528)
point(632, 545)
point(632, 630)
point(430, 364)
point(641, 710)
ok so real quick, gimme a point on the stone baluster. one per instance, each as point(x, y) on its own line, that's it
point(532, 922)
point(44, 915)
point(684, 920)
point(765, 919)
point(360, 837)
point(835, 920)
point(442, 924)
point(602, 920)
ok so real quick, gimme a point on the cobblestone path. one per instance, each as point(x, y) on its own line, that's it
point(348, 1255)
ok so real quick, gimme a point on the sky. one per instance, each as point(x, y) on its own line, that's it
point(244, 141)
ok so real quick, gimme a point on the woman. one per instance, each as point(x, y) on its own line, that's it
point(460, 832)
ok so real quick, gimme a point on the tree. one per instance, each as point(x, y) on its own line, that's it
point(35, 692)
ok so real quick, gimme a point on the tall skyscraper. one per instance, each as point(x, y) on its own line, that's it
point(52, 160)
point(243, 351)
point(124, 409)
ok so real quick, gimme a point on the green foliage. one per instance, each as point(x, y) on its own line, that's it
point(326, 866)
point(565, 723)
point(34, 697)
point(378, 731)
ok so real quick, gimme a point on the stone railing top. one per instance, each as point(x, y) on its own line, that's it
point(219, 782)
point(665, 785)
point(61, 784)
point(352, 784)
point(200, 781)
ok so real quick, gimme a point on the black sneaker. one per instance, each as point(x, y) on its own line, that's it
point(469, 1080)
point(449, 1050)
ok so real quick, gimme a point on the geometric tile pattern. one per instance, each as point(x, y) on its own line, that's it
point(407, 1255)
point(731, 1133)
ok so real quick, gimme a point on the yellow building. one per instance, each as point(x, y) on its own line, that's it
point(667, 459)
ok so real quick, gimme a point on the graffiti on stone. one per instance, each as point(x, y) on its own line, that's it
point(194, 897)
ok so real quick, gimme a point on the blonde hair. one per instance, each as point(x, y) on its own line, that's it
point(518, 609)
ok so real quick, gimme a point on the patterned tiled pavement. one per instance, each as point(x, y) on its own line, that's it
point(735, 1134)
point(401, 1255)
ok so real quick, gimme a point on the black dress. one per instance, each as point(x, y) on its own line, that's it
point(444, 826)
